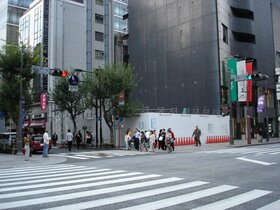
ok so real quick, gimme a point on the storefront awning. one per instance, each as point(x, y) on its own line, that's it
point(25, 124)
point(37, 123)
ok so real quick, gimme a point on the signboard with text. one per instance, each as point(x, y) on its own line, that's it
point(43, 101)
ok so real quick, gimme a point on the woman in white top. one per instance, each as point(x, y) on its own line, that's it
point(127, 138)
point(152, 141)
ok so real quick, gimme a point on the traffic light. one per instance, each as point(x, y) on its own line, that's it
point(257, 76)
point(58, 73)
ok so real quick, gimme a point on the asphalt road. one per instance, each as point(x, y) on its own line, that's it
point(193, 178)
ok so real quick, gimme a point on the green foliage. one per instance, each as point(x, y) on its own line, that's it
point(75, 103)
point(106, 85)
point(11, 75)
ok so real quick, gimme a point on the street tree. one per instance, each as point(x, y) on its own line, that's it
point(11, 75)
point(15, 69)
point(75, 103)
point(106, 85)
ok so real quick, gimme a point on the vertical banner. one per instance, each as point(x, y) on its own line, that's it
point(43, 101)
point(242, 85)
point(249, 70)
point(232, 68)
point(261, 102)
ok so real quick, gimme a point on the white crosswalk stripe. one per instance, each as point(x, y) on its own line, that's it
point(79, 187)
point(98, 155)
point(245, 151)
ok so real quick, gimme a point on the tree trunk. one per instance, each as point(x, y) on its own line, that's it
point(75, 126)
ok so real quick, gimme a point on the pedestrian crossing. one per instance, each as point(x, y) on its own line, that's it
point(66, 186)
point(246, 150)
point(99, 155)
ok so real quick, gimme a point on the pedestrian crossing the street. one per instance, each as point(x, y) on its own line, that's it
point(99, 155)
point(66, 186)
point(246, 151)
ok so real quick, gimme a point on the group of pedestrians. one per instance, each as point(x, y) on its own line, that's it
point(149, 140)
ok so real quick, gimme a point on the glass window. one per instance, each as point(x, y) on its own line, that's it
point(38, 25)
point(22, 3)
point(99, 2)
point(12, 35)
point(99, 36)
point(99, 54)
point(24, 29)
point(14, 14)
point(225, 34)
point(79, 1)
point(99, 18)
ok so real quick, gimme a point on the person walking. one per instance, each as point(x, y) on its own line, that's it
point(88, 138)
point(127, 138)
point(26, 140)
point(54, 138)
point(152, 140)
point(163, 134)
point(46, 139)
point(78, 139)
point(69, 139)
point(172, 138)
point(260, 135)
point(196, 134)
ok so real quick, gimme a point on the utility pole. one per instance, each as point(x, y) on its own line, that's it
point(20, 114)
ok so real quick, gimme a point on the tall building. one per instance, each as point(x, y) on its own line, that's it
point(60, 28)
point(10, 12)
point(180, 50)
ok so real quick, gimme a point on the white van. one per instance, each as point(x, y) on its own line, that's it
point(7, 138)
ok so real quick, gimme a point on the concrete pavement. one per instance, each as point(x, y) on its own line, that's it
point(8, 160)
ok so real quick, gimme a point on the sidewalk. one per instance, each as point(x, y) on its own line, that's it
point(8, 160)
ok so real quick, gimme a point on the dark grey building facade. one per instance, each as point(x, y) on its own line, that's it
point(180, 48)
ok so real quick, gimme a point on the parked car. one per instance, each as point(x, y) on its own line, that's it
point(7, 140)
point(8, 137)
point(37, 143)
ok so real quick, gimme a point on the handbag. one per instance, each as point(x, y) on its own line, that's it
point(160, 138)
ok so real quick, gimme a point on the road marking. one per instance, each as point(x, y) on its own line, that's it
point(69, 156)
point(181, 198)
point(80, 186)
point(96, 172)
point(29, 170)
point(53, 173)
point(70, 181)
point(87, 156)
point(69, 196)
point(148, 193)
point(274, 205)
point(234, 201)
point(255, 161)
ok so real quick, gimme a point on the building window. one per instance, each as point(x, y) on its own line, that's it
point(99, 36)
point(99, 54)
point(38, 26)
point(79, 1)
point(244, 37)
point(225, 34)
point(242, 13)
point(99, 2)
point(99, 18)
point(24, 30)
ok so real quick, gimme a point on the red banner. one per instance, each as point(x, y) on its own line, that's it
point(249, 70)
point(44, 101)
